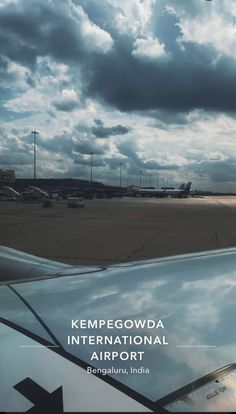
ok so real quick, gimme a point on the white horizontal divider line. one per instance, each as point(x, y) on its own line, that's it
point(39, 346)
point(196, 346)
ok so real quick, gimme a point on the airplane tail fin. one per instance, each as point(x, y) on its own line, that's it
point(187, 187)
point(181, 187)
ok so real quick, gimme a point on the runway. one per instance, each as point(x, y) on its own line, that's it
point(119, 230)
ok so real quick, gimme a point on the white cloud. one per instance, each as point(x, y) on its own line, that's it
point(47, 86)
point(134, 17)
point(30, 100)
point(94, 37)
point(149, 48)
point(214, 28)
point(216, 156)
point(190, 140)
point(67, 100)
point(19, 72)
point(4, 3)
point(69, 94)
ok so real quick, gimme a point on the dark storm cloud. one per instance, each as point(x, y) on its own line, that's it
point(36, 28)
point(100, 131)
point(129, 149)
point(86, 142)
point(191, 77)
point(216, 171)
point(66, 106)
point(188, 82)
point(166, 119)
point(64, 144)
point(88, 147)
point(3, 68)
point(61, 144)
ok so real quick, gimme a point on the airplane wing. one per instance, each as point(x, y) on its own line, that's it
point(156, 335)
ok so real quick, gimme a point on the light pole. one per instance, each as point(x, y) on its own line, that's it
point(121, 164)
point(34, 132)
point(140, 178)
point(91, 169)
point(150, 180)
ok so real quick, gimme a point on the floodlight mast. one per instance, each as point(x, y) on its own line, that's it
point(121, 165)
point(34, 132)
point(91, 169)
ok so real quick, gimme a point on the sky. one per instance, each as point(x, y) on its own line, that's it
point(147, 86)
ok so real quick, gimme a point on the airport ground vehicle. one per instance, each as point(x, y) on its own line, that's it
point(191, 369)
point(74, 202)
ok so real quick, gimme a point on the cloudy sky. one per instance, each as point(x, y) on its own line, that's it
point(150, 84)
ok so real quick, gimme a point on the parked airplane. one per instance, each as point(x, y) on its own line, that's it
point(180, 192)
point(152, 336)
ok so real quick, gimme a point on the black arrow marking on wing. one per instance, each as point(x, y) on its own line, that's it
point(43, 400)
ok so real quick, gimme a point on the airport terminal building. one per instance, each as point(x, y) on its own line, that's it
point(7, 176)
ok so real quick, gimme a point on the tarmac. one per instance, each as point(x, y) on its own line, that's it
point(108, 231)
